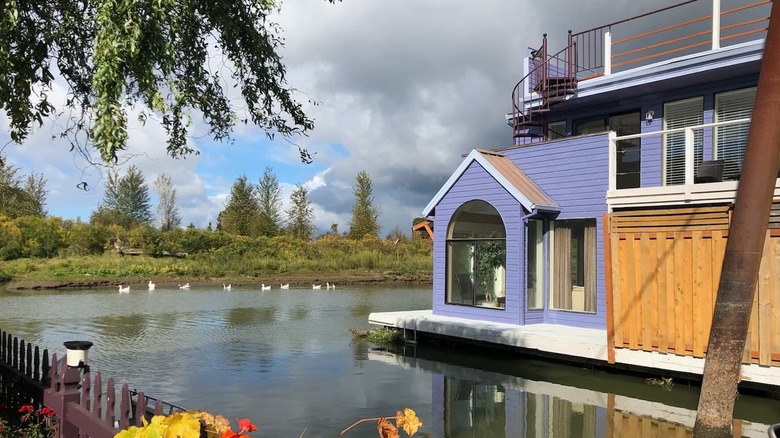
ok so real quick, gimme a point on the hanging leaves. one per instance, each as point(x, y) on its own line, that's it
point(156, 56)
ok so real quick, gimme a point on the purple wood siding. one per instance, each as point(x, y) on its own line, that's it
point(476, 183)
point(574, 172)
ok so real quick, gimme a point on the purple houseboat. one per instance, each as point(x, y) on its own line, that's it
point(599, 232)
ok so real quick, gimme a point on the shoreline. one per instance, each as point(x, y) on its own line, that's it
point(296, 280)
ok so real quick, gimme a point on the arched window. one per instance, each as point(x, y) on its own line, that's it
point(476, 256)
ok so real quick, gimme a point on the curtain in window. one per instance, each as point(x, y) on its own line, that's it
point(562, 267)
point(590, 267)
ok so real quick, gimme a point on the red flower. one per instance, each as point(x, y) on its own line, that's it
point(47, 412)
point(26, 409)
point(246, 426)
point(230, 434)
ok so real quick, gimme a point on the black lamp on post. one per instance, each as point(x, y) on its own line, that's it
point(77, 354)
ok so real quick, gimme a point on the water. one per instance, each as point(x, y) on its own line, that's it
point(286, 360)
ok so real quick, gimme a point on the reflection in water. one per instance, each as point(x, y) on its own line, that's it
point(286, 359)
point(360, 309)
point(485, 403)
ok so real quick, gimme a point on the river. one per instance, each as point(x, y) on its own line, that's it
point(286, 359)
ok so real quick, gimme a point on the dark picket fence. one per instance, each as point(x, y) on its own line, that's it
point(84, 408)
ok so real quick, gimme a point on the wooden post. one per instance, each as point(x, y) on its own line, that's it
point(62, 393)
point(743, 249)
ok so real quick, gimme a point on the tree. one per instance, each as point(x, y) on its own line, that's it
point(125, 202)
point(19, 195)
point(241, 215)
point(167, 211)
point(269, 196)
point(300, 216)
point(365, 217)
point(156, 56)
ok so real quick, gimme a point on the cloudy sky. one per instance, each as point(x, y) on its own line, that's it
point(404, 88)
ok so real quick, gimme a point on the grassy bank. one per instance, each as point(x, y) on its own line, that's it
point(265, 260)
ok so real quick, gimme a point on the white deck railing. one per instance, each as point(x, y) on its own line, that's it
point(689, 148)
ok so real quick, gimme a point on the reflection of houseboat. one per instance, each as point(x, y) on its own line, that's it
point(600, 232)
point(560, 403)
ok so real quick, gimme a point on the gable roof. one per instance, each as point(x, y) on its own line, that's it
point(506, 173)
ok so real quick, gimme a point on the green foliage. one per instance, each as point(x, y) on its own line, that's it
point(269, 197)
point(20, 195)
point(365, 217)
point(385, 336)
point(241, 215)
point(40, 237)
point(300, 216)
point(126, 200)
point(167, 211)
point(81, 254)
point(84, 239)
point(156, 56)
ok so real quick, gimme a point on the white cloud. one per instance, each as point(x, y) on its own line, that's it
point(403, 88)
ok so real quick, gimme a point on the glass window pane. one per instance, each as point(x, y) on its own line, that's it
point(460, 256)
point(490, 278)
point(573, 256)
point(535, 269)
point(476, 257)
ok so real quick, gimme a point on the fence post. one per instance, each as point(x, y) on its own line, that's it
point(63, 390)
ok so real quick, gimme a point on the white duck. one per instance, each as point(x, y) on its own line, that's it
point(330, 286)
point(124, 290)
point(184, 286)
point(264, 287)
point(316, 286)
point(284, 286)
point(226, 287)
point(151, 285)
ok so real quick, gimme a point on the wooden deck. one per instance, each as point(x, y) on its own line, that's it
point(573, 343)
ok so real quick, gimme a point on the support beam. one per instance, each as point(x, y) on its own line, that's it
point(743, 249)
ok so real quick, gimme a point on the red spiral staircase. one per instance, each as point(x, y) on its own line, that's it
point(551, 79)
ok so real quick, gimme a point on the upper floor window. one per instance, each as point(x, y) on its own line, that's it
point(681, 114)
point(476, 256)
point(628, 151)
point(731, 140)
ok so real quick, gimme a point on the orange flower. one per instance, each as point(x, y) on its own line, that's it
point(246, 426)
point(230, 434)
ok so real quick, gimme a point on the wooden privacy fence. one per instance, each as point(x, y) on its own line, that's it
point(663, 270)
point(84, 409)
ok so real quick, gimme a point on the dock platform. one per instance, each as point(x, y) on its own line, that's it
point(573, 343)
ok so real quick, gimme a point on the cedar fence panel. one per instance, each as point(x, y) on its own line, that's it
point(665, 270)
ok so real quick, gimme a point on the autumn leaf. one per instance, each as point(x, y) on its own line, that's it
point(215, 425)
point(386, 429)
point(182, 425)
point(408, 421)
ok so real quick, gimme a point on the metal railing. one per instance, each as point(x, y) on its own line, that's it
point(599, 53)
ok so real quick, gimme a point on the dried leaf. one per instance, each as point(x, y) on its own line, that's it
point(386, 429)
point(408, 421)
